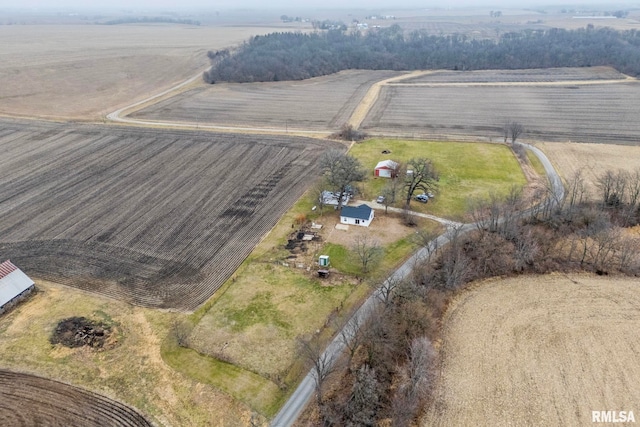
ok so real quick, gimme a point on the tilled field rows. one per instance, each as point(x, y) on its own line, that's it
point(159, 219)
point(530, 75)
point(323, 103)
point(586, 113)
point(26, 400)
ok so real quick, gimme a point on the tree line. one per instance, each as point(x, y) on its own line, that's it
point(297, 56)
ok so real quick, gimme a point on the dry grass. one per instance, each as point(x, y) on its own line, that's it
point(87, 71)
point(541, 351)
point(592, 159)
point(132, 371)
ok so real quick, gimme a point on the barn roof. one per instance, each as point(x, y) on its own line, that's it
point(13, 282)
point(387, 164)
point(358, 212)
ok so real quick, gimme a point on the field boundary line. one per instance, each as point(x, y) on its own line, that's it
point(371, 97)
point(627, 79)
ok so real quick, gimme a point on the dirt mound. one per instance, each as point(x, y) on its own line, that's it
point(79, 331)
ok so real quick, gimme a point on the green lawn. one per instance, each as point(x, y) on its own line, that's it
point(467, 171)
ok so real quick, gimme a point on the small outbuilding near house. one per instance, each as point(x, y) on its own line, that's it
point(386, 169)
point(359, 215)
point(14, 285)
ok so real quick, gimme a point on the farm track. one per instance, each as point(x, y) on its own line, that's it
point(51, 403)
point(321, 104)
point(158, 219)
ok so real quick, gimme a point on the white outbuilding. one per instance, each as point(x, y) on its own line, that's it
point(14, 285)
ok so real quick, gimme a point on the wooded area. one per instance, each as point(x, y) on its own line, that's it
point(297, 56)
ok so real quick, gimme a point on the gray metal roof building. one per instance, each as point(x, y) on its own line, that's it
point(14, 285)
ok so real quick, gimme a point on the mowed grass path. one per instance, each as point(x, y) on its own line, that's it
point(467, 170)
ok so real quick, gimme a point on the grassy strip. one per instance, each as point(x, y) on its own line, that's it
point(536, 164)
point(248, 387)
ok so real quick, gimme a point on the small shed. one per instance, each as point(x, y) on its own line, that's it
point(14, 285)
point(359, 215)
point(386, 169)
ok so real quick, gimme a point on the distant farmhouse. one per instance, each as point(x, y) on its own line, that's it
point(386, 169)
point(360, 215)
point(14, 285)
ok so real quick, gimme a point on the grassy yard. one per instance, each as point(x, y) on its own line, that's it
point(467, 171)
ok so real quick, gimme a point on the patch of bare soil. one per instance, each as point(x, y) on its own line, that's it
point(539, 351)
point(386, 228)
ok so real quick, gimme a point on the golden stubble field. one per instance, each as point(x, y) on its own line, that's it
point(87, 71)
point(539, 351)
point(593, 159)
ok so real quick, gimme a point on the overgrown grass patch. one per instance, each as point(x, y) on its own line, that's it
point(256, 391)
point(255, 323)
point(467, 171)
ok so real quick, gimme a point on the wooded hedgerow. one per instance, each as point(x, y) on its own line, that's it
point(297, 56)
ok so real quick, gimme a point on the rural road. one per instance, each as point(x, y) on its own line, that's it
point(305, 391)
point(116, 116)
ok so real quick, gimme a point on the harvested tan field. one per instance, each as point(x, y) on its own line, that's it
point(155, 218)
point(593, 159)
point(322, 103)
point(460, 104)
point(539, 351)
point(87, 71)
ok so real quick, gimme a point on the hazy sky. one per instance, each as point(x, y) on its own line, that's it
point(257, 4)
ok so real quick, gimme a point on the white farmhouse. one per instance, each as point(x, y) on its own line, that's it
point(359, 215)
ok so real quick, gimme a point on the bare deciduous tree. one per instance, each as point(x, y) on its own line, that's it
point(416, 380)
point(322, 363)
point(367, 250)
point(512, 130)
point(423, 177)
point(341, 171)
point(363, 401)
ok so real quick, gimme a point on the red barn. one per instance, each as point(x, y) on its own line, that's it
point(386, 169)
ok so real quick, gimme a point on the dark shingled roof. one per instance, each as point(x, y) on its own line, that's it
point(358, 212)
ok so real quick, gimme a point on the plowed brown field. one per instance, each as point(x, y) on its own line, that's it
point(585, 105)
point(27, 400)
point(323, 103)
point(157, 218)
point(539, 351)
